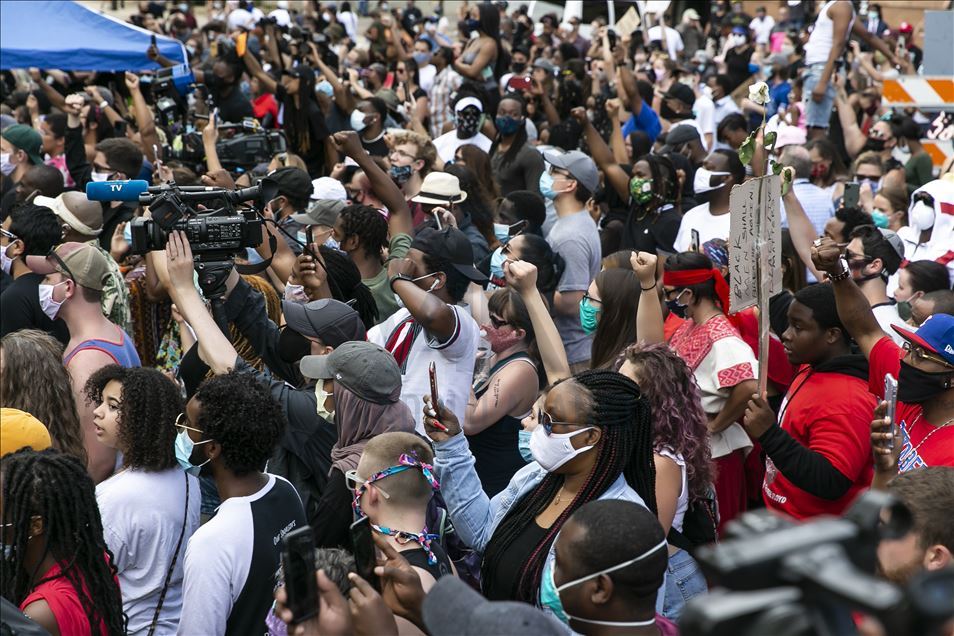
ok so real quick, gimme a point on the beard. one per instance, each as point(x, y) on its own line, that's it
point(901, 574)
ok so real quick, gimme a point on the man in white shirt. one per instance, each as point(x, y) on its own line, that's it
point(673, 43)
point(432, 327)
point(714, 179)
point(721, 86)
point(815, 201)
point(762, 25)
point(468, 112)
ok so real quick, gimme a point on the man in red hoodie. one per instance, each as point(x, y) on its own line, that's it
point(819, 456)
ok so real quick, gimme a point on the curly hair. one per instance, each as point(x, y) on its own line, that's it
point(679, 422)
point(614, 404)
point(147, 414)
point(34, 380)
point(241, 415)
point(56, 488)
point(368, 225)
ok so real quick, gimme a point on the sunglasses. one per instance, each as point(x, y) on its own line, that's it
point(181, 428)
point(497, 322)
point(919, 354)
point(354, 482)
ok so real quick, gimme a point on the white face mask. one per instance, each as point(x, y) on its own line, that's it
point(553, 450)
point(49, 306)
point(357, 121)
point(322, 396)
point(922, 216)
point(5, 261)
point(6, 167)
point(569, 584)
point(703, 180)
point(99, 176)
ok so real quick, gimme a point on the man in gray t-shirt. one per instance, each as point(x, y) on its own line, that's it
point(569, 182)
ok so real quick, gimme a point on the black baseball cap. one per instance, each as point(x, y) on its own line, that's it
point(681, 92)
point(679, 135)
point(292, 182)
point(449, 244)
point(331, 321)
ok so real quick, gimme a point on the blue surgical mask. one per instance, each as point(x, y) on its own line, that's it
point(546, 185)
point(589, 316)
point(421, 58)
point(873, 183)
point(127, 234)
point(523, 443)
point(497, 260)
point(880, 218)
point(324, 86)
point(184, 447)
point(502, 232)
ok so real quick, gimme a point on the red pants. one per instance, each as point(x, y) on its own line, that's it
point(730, 486)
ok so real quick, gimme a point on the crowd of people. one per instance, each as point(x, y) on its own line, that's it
point(488, 314)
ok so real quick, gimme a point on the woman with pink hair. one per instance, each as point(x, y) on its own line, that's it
point(684, 472)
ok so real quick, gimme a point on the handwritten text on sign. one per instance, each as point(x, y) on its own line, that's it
point(749, 239)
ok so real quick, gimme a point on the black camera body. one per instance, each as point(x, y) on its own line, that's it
point(206, 233)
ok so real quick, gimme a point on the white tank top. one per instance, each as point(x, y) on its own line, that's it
point(822, 37)
point(682, 503)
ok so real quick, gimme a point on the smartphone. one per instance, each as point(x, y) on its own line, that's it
point(432, 372)
point(298, 563)
point(695, 243)
point(437, 218)
point(363, 549)
point(852, 188)
point(891, 397)
point(152, 38)
point(519, 84)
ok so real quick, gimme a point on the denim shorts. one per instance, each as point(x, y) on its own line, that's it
point(817, 115)
point(684, 580)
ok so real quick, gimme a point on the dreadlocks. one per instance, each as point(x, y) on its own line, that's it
point(55, 487)
point(344, 279)
point(626, 446)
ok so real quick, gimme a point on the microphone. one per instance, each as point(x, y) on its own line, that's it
point(116, 190)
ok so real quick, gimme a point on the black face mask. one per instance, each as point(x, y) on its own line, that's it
point(916, 386)
point(875, 145)
point(667, 113)
point(292, 346)
point(518, 67)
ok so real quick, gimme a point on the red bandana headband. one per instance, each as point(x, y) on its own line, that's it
point(688, 277)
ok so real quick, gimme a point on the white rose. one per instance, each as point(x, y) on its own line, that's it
point(759, 93)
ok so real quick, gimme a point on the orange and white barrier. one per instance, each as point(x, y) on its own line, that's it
point(927, 93)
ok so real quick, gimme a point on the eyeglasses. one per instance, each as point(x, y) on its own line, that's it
point(354, 482)
point(590, 299)
point(180, 427)
point(919, 354)
point(401, 153)
point(547, 422)
point(8, 235)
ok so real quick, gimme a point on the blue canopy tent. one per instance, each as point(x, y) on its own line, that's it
point(68, 36)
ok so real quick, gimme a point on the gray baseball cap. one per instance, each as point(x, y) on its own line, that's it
point(366, 369)
point(331, 321)
point(578, 164)
point(894, 240)
point(321, 212)
point(452, 608)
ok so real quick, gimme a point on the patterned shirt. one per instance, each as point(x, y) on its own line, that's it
point(445, 85)
point(115, 299)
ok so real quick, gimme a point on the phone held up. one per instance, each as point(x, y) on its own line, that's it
point(298, 564)
point(891, 397)
point(363, 549)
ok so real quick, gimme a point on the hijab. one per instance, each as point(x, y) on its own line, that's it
point(359, 420)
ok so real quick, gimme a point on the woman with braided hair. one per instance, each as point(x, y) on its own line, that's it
point(136, 412)
point(593, 440)
point(56, 567)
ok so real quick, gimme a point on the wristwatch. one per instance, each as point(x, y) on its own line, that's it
point(103, 104)
point(845, 270)
point(397, 277)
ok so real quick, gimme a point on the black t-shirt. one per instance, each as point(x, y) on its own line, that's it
point(332, 518)
point(318, 132)
point(737, 65)
point(21, 309)
point(652, 232)
point(232, 107)
point(502, 584)
point(376, 148)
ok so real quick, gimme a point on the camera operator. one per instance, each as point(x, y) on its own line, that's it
point(294, 189)
point(924, 369)
point(299, 114)
point(304, 454)
point(224, 84)
point(929, 494)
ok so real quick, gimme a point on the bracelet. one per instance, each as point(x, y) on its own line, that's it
point(843, 274)
point(648, 288)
